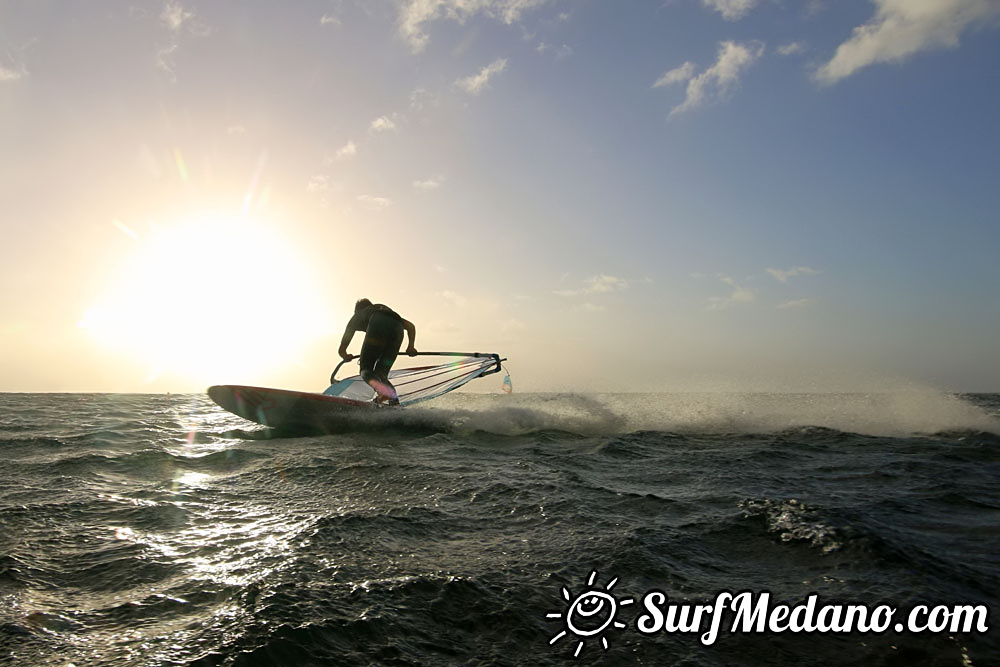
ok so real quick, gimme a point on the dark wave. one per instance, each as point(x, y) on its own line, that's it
point(132, 533)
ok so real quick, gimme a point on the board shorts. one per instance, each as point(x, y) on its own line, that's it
point(383, 337)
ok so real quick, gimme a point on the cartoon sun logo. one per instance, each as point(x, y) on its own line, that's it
point(590, 613)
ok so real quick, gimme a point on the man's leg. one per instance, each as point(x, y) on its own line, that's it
point(378, 354)
point(384, 364)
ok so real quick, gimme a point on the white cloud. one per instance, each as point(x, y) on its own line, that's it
point(718, 80)
point(791, 48)
point(738, 296)
point(383, 124)
point(329, 19)
point(348, 150)
point(476, 83)
point(177, 21)
point(377, 203)
point(902, 28)
point(9, 74)
point(731, 10)
point(677, 75)
point(782, 276)
point(175, 16)
point(601, 284)
point(797, 303)
point(427, 184)
point(414, 15)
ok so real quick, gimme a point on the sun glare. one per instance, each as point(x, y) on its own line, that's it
point(214, 299)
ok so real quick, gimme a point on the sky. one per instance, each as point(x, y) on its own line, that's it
point(771, 195)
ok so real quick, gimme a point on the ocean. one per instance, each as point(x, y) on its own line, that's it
point(529, 529)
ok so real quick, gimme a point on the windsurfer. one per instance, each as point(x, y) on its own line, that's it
point(383, 329)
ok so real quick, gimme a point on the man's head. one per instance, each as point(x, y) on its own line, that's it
point(362, 304)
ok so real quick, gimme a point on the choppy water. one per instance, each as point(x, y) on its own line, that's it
point(156, 530)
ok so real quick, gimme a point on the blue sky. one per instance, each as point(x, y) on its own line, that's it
point(690, 194)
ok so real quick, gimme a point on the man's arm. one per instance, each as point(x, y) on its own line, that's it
point(345, 341)
point(411, 332)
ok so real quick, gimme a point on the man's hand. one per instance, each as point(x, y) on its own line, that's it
point(412, 351)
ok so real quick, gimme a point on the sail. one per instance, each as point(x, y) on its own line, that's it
point(421, 383)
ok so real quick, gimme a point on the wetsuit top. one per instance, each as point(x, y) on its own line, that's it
point(361, 319)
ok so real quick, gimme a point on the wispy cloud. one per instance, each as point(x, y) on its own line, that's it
point(384, 124)
point(165, 60)
point(347, 151)
point(791, 48)
point(814, 8)
point(782, 276)
point(477, 83)
point(8, 74)
point(679, 74)
point(421, 99)
point(902, 28)
point(604, 283)
point(591, 308)
point(738, 295)
point(177, 21)
point(322, 187)
point(318, 183)
point(12, 67)
point(427, 184)
point(454, 298)
point(174, 16)
point(560, 52)
point(600, 284)
point(717, 81)
point(731, 10)
point(797, 303)
point(377, 203)
point(416, 15)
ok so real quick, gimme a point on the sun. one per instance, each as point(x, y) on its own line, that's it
point(211, 297)
point(590, 613)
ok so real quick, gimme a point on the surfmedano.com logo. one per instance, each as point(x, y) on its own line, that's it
point(595, 610)
point(589, 614)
